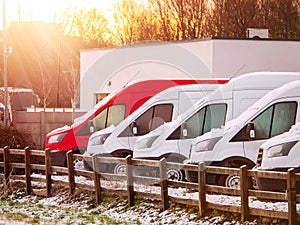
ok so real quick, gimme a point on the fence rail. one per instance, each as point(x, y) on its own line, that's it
point(41, 160)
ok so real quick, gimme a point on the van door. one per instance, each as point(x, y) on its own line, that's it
point(276, 119)
point(208, 117)
point(148, 121)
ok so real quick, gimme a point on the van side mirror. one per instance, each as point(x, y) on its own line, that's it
point(91, 126)
point(134, 128)
point(250, 131)
point(184, 130)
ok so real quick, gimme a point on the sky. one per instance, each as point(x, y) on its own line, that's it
point(45, 10)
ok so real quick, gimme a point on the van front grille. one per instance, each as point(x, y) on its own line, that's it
point(259, 157)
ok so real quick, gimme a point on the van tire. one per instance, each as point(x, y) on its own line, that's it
point(120, 169)
point(233, 181)
point(175, 175)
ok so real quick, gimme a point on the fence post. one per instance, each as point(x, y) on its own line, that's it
point(291, 195)
point(6, 166)
point(164, 183)
point(71, 171)
point(97, 180)
point(48, 171)
point(244, 192)
point(130, 188)
point(27, 170)
point(201, 189)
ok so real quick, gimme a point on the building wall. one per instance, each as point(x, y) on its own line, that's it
point(120, 65)
point(236, 57)
point(38, 124)
point(105, 70)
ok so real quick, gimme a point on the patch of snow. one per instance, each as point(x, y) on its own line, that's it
point(56, 208)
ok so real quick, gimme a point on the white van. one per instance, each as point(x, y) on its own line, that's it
point(238, 145)
point(173, 140)
point(279, 153)
point(164, 107)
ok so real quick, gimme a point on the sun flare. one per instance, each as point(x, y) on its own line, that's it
point(47, 10)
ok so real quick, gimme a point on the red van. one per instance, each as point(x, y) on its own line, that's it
point(111, 110)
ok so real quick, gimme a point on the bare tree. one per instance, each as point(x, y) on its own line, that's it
point(45, 86)
point(231, 18)
point(281, 17)
point(72, 81)
point(165, 19)
point(182, 19)
point(89, 25)
point(189, 16)
point(126, 16)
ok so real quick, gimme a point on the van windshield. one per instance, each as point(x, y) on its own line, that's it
point(111, 115)
point(207, 118)
point(93, 109)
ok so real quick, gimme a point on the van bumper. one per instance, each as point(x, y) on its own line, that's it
point(58, 158)
point(269, 184)
point(192, 176)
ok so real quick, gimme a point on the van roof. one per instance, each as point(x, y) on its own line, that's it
point(291, 89)
point(188, 87)
point(261, 80)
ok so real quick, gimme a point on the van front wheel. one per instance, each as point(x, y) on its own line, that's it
point(120, 169)
point(175, 175)
point(231, 181)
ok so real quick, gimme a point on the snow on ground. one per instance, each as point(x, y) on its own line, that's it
point(58, 209)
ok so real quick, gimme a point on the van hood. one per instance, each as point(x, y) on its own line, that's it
point(292, 135)
point(159, 131)
point(214, 133)
point(59, 130)
point(107, 130)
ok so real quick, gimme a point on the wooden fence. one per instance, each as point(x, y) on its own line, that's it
point(161, 181)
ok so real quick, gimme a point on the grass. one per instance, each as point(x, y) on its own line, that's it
point(35, 213)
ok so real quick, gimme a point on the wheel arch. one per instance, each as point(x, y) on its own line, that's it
point(235, 161)
point(173, 157)
point(122, 153)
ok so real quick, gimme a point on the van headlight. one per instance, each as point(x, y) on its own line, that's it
point(206, 145)
point(146, 142)
point(99, 140)
point(280, 150)
point(57, 138)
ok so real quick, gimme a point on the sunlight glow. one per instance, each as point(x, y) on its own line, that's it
point(47, 10)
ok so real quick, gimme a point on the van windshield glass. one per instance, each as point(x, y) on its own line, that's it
point(209, 117)
point(93, 109)
point(112, 115)
point(270, 123)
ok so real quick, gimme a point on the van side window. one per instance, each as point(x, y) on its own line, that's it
point(194, 124)
point(150, 120)
point(215, 117)
point(270, 122)
point(116, 114)
point(207, 118)
point(287, 111)
point(111, 115)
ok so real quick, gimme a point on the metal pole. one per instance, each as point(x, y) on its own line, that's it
point(5, 54)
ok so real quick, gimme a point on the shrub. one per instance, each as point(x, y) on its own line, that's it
point(13, 138)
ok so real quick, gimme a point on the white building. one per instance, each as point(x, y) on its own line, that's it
point(105, 70)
